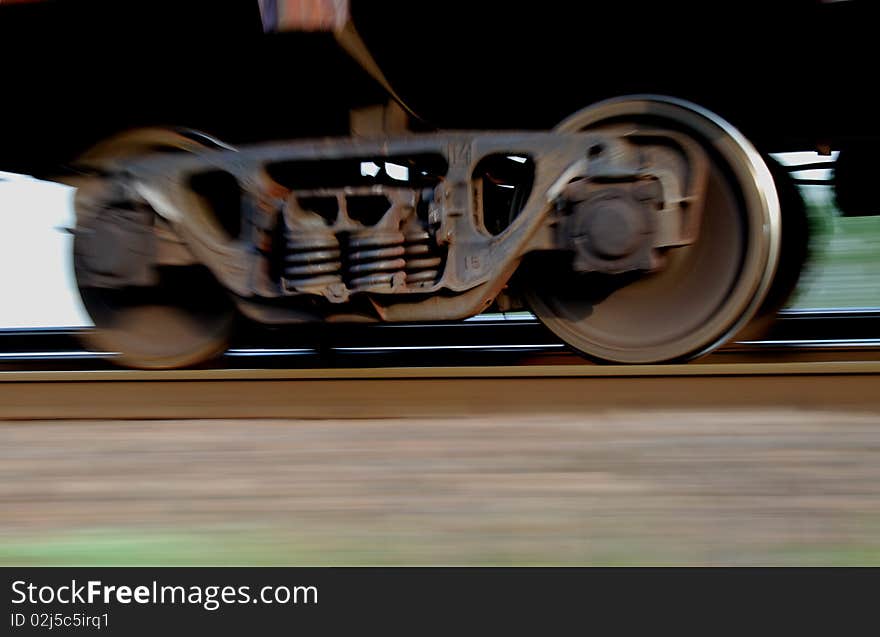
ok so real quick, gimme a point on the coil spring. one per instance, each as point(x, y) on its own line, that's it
point(388, 261)
point(375, 261)
point(422, 261)
point(312, 261)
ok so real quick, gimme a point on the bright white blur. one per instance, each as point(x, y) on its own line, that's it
point(37, 286)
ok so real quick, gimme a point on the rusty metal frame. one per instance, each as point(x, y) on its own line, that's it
point(477, 265)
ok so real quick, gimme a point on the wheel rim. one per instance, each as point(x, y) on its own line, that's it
point(707, 291)
point(185, 319)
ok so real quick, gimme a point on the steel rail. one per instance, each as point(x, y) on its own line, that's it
point(434, 392)
point(511, 371)
point(804, 335)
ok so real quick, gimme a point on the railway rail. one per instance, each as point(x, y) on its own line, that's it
point(490, 340)
point(433, 392)
point(809, 360)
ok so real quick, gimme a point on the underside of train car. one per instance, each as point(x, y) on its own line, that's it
point(607, 169)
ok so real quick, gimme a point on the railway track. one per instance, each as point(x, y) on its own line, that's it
point(497, 364)
point(413, 392)
point(488, 340)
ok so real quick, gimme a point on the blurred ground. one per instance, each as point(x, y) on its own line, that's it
point(731, 486)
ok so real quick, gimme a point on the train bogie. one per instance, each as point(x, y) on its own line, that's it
point(640, 230)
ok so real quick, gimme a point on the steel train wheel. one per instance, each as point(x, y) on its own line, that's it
point(183, 320)
point(793, 255)
point(708, 290)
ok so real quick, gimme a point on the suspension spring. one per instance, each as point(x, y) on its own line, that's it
point(422, 260)
point(375, 261)
point(312, 262)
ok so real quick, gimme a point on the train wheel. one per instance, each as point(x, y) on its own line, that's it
point(706, 291)
point(182, 317)
point(793, 255)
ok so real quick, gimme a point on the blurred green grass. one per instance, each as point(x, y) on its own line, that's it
point(217, 547)
point(843, 270)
